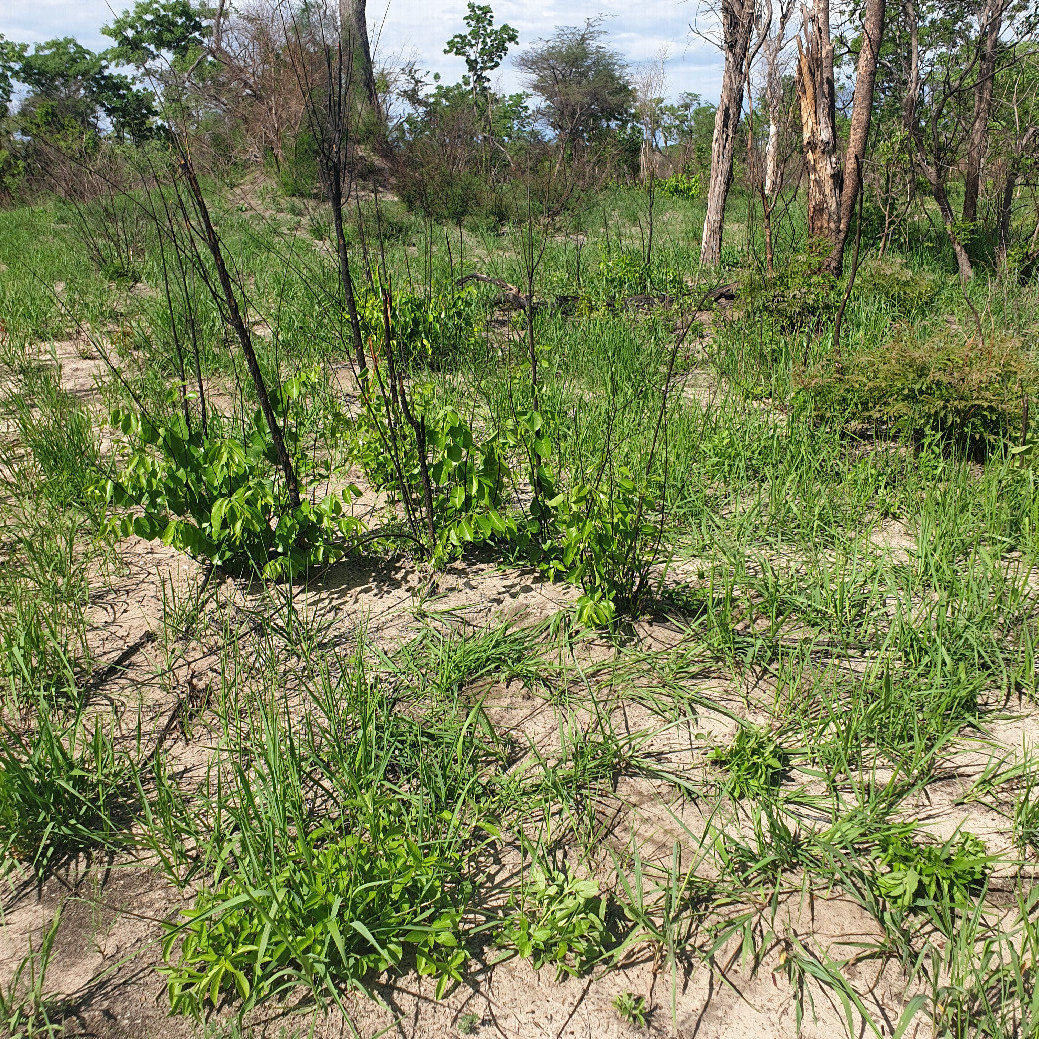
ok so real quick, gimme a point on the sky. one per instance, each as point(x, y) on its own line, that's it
point(418, 29)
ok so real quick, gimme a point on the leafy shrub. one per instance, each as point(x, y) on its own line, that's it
point(944, 385)
point(754, 761)
point(217, 498)
point(425, 330)
point(468, 477)
point(63, 789)
point(347, 902)
point(681, 185)
point(893, 282)
point(391, 221)
point(798, 295)
point(299, 172)
point(603, 538)
point(561, 921)
point(628, 274)
point(916, 876)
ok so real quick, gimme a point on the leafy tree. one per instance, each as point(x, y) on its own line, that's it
point(73, 90)
point(583, 83)
point(484, 48)
point(11, 54)
point(689, 122)
point(158, 33)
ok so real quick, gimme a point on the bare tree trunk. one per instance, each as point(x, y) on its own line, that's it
point(977, 145)
point(771, 182)
point(737, 24)
point(1006, 207)
point(353, 28)
point(858, 137)
point(933, 173)
point(817, 96)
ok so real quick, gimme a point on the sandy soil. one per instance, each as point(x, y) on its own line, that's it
point(107, 946)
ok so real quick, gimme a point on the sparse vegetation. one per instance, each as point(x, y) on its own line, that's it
point(424, 572)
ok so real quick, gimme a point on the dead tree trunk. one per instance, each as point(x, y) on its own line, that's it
point(931, 170)
point(977, 144)
point(858, 137)
point(816, 94)
point(737, 25)
point(773, 44)
point(353, 28)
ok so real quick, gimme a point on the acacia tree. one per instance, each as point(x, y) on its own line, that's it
point(583, 83)
point(737, 28)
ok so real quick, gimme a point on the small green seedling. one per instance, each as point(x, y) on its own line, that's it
point(631, 1008)
point(754, 762)
point(468, 1024)
point(562, 921)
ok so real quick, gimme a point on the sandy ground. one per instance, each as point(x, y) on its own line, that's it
point(108, 941)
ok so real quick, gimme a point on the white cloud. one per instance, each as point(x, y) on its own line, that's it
point(419, 29)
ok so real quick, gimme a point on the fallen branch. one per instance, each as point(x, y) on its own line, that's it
point(510, 294)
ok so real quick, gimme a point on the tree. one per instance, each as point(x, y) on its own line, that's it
point(816, 93)
point(861, 118)
point(353, 28)
point(737, 28)
point(583, 83)
point(483, 48)
point(1013, 143)
point(159, 34)
point(774, 29)
point(689, 123)
point(833, 185)
point(73, 90)
point(990, 24)
point(649, 108)
point(11, 55)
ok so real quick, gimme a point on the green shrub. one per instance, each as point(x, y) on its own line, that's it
point(468, 477)
point(628, 274)
point(754, 762)
point(681, 185)
point(945, 385)
point(800, 294)
point(896, 284)
point(925, 876)
point(426, 331)
point(299, 172)
point(560, 920)
point(218, 499)
point(605, 539)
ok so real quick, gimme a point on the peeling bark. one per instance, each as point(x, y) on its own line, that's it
point(737, 25)
point(816, 94)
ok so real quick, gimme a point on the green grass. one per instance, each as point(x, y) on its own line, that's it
point(856, 605)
